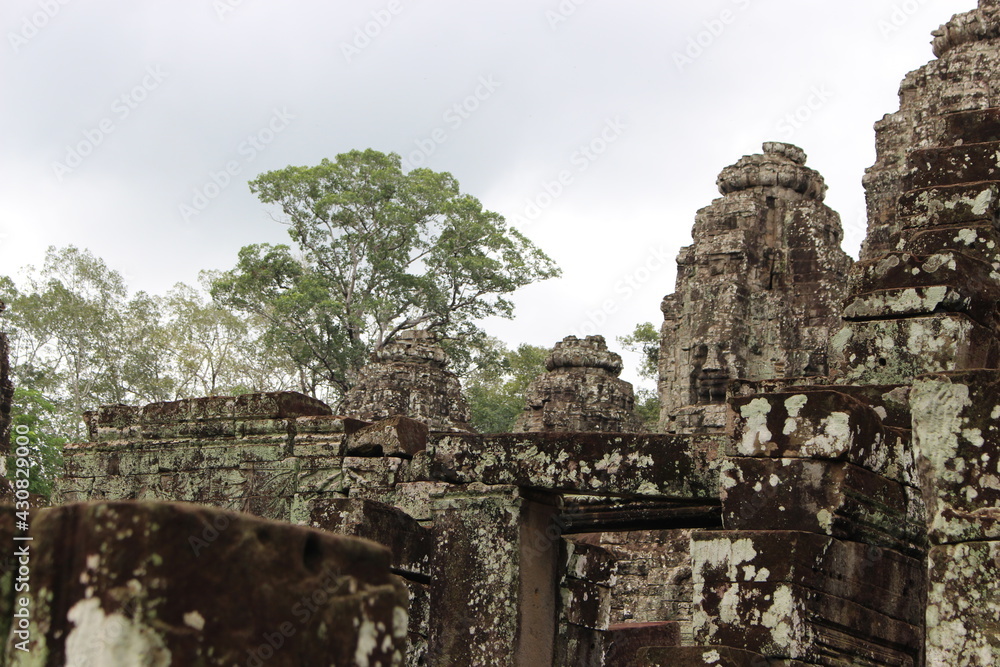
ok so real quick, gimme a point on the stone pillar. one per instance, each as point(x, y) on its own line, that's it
point(156, 584)
point(409, 377)
point(580, 392)
point(494, 578)
point(757, 292)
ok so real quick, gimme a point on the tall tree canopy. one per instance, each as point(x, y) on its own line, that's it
point(377, 252)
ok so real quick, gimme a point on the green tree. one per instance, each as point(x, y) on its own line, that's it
point(80, 341)
point(377, 252)
point(645, 340)
point(216, 351)
point(35, 425)
point(496, 392)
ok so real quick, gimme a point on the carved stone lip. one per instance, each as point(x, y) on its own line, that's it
point(781, 165)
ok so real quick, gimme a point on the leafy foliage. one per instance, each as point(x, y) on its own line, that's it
point(496, 392)
point(34, 424)
point(645, 340)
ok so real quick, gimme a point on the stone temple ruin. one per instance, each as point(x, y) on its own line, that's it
point(825, 489)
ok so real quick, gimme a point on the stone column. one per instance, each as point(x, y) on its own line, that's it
point(494, 578)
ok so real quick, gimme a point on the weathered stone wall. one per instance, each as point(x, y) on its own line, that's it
point(965, 77)
point(409, 377)
point(757, 292)
point(580, 392)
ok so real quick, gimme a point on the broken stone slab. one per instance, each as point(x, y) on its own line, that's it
point(967, 203)
point(896, 351)
point(494, 578)
point(901, 284)
point(832, 498)
point(823, 424)
point(708, 656)
point(952, 165)
point(268, 405)
point(963, 604)
point(396, 436)
point(624, 640)
point(956, 439)
point(151, 584)
point(410, 543)
point(979, 241)
point(583, 463)
point(882, 581)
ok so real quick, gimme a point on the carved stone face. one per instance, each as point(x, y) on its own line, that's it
point(710, 375)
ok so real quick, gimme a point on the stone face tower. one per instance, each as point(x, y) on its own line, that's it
point(581, 391)
point(409, 377)
point(757, 293)
point(965, 77)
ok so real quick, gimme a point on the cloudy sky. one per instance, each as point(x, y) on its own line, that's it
point(131, 127)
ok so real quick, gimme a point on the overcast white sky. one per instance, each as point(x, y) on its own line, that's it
point(116, 113)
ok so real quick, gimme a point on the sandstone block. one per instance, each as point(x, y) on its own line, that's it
point(832, 498)
point(151, 584)
point(895, 351)
point(396, 436)
point(963, 605)
point(957, 444)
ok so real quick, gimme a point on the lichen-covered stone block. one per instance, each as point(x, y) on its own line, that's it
point(832, 498)
point(821, 424)
point(410, 543)
point(956, 438)
point(963, 605)
point(881, 580)
point(896, 351)
point(976, 240)
point(396, 436)
point(950, 205)
point(151, 584)
point(901, 284)
point(952, 165)
point(588, 463)
point(708, 656)
point(493, 585)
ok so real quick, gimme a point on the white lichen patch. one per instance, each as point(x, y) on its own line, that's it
point(711, 657)
point(755, 428)
point(111, 639)
point(834, 436)
point(938, 406)
point(193, 619)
